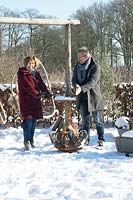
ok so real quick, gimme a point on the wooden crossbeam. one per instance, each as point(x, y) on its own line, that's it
point(9, 20)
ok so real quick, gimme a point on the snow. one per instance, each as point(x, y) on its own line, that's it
point(63, 98)
point(122, 122)
point(128, 134)
point(46, 174)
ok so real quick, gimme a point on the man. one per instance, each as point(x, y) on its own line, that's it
point(30, 86)
point(86, 84)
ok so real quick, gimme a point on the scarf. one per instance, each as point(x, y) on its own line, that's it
point(82, 71)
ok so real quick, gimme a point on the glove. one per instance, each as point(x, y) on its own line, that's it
point(44, 95)
point(40, 95)
point(48, 95)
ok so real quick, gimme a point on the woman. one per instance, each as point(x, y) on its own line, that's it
point(30, 86)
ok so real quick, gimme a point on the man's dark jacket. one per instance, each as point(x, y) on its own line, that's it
point(87, 76)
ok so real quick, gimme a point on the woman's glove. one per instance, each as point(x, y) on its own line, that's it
point(48, 95)
point(44, 95)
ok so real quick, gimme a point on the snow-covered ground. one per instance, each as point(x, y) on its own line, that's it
point(46, 174)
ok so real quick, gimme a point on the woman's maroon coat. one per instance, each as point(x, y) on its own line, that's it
point(29, 87)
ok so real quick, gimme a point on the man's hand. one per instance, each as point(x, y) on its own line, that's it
point(77, 89)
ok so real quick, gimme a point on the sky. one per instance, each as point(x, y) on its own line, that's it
point(61, 9)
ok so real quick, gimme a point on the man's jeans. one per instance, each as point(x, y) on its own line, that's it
point(97, 120)
point(29, 129)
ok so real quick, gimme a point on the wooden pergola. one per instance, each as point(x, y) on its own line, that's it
point(66, 23)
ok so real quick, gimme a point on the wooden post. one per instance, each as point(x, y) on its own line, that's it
point(68, 58)
point(68, 71)
point(0, 41)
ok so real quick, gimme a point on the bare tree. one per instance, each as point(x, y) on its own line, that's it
point(122, 11)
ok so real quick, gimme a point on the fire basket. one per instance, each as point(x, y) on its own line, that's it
point(65, 134)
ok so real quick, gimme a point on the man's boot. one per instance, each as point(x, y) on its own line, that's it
point(27, 146)
point(32, 143)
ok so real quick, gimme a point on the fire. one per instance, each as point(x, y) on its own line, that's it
point(73, 126)
point(62, 134)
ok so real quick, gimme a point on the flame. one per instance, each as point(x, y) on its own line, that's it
point(62, 134)
point(73, 127)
